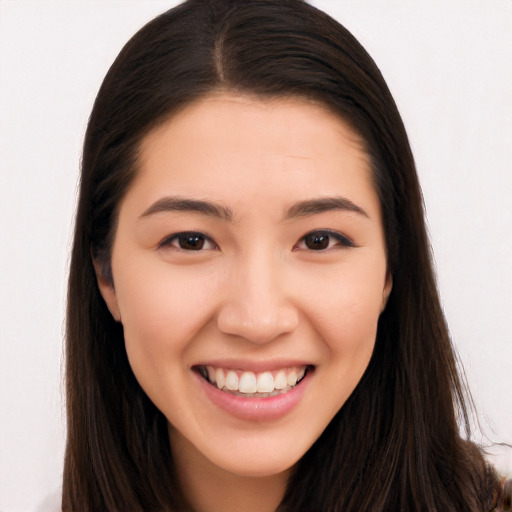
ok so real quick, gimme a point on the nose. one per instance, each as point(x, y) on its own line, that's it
point(257, 305)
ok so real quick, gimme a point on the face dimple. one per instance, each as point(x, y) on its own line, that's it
point(249, 247)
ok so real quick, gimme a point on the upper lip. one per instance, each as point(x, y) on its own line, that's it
point(253, 366)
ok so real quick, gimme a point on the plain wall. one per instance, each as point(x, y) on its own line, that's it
point(447, 63)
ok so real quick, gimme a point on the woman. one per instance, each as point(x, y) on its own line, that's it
point(253, 320)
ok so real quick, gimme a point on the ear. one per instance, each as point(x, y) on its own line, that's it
point(106, 286)
point(388, 286)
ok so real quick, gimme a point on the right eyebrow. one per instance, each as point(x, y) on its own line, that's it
point(182, 204)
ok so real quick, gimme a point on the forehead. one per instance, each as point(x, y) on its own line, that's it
point(304, 120)
point(237, 146)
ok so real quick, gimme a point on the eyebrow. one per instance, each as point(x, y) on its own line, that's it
point(323, 204)
point(300, 209)
point(179, 204)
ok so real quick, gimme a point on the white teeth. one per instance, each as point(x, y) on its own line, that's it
point(247, 383)
point(219, 378)
point(280, 380)
point(292, 378)
point(265, 383)
point(232, 381)
point(252, 384)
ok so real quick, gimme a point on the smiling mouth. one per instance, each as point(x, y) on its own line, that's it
point(254, 384)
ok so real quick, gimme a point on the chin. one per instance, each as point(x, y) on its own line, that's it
point(259, 462)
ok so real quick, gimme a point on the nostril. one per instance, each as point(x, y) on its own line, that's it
point(257, 327)
point(256, 306)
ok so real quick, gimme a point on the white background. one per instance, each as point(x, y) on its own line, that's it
point(448, 63)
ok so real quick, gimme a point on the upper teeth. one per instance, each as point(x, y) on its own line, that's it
point(249, 382)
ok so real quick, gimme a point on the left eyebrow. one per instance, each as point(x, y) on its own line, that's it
point(323, 204)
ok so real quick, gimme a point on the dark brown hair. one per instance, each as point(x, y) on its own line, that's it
point(395, 444)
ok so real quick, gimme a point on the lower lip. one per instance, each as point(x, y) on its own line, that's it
point(253, 408)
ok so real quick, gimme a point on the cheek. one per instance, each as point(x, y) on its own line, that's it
point(162, 309)
point(346, 309)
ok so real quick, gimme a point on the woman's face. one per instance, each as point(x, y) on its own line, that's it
point(249, 272)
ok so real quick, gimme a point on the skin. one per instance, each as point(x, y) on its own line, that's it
point(257, 292)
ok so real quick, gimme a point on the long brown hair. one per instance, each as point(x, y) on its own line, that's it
point(395, 444)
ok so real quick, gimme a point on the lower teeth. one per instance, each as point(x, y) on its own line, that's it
point(258, 395)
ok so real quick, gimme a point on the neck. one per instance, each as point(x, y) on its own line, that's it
point(209, 488)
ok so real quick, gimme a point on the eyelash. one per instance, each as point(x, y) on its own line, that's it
point(179, 240)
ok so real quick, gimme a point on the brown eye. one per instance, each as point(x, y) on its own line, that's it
point(189, 241)
point(322, 240)
point(317, 241)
